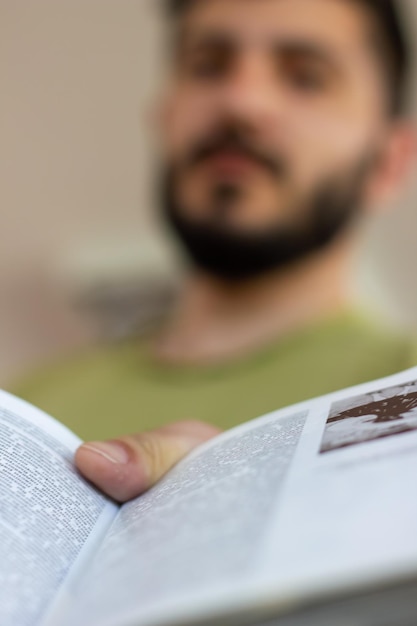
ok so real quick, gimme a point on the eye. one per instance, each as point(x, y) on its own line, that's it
point(205, 60)
point(307, 79)
point(305, 75)
point(209, 67)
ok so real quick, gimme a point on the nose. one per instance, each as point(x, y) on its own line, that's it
point(252, 93)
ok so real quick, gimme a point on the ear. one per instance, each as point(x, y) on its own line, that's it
point(394, 165)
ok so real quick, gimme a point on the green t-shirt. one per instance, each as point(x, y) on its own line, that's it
point(119, 389)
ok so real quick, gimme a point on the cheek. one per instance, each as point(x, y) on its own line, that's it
point(326, 141)
point(189, 116)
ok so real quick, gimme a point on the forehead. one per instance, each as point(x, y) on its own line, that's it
point(340, 24)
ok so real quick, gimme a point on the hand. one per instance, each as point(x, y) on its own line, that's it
point(126, 467)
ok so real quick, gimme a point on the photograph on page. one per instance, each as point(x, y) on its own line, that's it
point(371, 416)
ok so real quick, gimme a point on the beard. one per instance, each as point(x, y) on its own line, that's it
point(235, 256)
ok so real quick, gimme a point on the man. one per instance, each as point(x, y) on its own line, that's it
point(281, 128)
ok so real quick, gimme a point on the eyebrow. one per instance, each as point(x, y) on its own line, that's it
point(286, 46)
point(310, 49)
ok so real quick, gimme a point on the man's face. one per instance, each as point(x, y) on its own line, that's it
point(275, 106)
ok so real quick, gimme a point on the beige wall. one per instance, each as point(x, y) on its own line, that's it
point(76, 78)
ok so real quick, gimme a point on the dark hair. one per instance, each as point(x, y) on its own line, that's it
point(393, 45)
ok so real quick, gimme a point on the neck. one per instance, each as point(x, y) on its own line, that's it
point(216, 320)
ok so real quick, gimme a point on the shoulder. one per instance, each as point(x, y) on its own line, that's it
point(78, 375)
point(393, 346)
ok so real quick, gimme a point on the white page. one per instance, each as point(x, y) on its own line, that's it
point(244, 522)
point(197, 534)
point(50, 518)
point(349, 516)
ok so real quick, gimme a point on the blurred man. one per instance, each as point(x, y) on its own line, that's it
point(281, 128)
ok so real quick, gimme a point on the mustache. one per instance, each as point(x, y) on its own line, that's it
point(236, 141)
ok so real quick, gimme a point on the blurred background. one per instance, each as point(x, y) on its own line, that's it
point(82, 258)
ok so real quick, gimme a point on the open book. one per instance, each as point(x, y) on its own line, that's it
point(307, 516)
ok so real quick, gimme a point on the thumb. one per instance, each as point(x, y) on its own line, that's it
point(126, 467)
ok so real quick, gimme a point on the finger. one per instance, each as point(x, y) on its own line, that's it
point(126, 467)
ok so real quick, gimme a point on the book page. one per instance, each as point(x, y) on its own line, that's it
point(350, 513)
point(313, 500)
point(49, 516)
point(198, 533)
